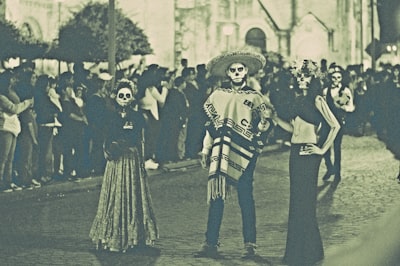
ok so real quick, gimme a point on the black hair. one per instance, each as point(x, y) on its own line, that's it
point(179, 81)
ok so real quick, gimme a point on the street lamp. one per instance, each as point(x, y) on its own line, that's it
point(227, 30)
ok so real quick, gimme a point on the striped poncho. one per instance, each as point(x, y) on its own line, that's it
point(234, 116)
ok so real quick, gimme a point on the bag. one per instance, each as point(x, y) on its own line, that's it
point(112, 151)
point(10, 123)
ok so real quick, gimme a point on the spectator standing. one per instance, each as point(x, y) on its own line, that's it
point(340, 101)
point(393, 124)
point(47, 107)
point(153, 94)
point(10, 127)
point(196, 117)
point(173, 119)
point(96, 111)
point(26, 151)
point(71, 133)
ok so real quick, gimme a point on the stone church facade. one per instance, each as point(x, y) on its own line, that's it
point(337, 30)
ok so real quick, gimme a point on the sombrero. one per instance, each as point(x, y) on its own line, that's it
point(253, 61)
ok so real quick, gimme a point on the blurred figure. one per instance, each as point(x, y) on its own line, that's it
point(27, 150)
point(196, 118)
point(340, 101)
point(74, 121)
point(173, 119)
point(48, 108)
point(96, 111)
point(10, 127)
point(377, 245)
point(153, 91)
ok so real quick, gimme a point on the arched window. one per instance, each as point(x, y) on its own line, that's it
point(256, 37)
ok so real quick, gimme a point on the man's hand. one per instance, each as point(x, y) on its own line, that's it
point(204, 160)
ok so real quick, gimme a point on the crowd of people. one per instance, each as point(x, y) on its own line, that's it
point(77, 126)
point(52, 128)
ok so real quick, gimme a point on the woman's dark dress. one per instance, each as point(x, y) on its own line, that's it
point(304, 244)
point(125, 216)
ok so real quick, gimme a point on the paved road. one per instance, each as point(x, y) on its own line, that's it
point(50, 225)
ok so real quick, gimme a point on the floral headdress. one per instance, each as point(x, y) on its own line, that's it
point(307, 67)
point(126, 83)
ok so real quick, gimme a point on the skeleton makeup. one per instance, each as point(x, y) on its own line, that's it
point(303, 80)
point(336, 79)
point(125, 92)
point(237, 73)
point(124, 97)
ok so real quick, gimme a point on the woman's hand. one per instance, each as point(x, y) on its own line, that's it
point(310, 149)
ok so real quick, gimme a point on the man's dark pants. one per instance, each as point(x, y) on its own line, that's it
point(246, 203)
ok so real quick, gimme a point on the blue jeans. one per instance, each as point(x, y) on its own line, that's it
point(246, 203)
point(7, 150)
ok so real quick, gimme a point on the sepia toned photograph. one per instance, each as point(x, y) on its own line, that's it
point(200, 132)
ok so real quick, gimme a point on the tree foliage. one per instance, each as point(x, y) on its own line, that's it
point(85, 36)
point(9, 40)
point(15, 44)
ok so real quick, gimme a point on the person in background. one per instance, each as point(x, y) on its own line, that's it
point(26, 151)
point(238, 123)
point(309, 113)
point(184, 63)
point(48, 108)
point(173, 119)
point(196, 118)
point(125, 216)
point(152, 94)
point(340, 101)
point(10, 127)
point(71, 133)
point(96, 109)
point(392, 135)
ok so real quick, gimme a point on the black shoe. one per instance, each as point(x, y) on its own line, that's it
point(337, 179)
point(398, 179)
point(250, 251)
point(207, 251)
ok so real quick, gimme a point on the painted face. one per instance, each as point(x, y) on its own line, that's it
point(336, 79)
point(303, 80)
point(124, 96)
point(237, 72)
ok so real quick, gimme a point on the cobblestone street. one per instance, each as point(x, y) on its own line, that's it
point(50, 225)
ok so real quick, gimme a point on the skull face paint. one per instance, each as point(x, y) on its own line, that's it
point(336, 79)
point(124, 96)
point(237, 72)
point(303, 80)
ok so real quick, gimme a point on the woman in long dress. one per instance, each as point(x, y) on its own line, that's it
point(309, 115)
point(125, 217)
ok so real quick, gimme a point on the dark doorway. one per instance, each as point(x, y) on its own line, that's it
point(256, 37)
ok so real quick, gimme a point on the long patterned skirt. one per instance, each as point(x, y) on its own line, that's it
point(125, 216)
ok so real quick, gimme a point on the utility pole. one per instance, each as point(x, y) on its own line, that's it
point(373, 44)
point(361, 32)
point(111, 40)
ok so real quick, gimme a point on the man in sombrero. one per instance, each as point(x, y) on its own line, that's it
point(238, 123)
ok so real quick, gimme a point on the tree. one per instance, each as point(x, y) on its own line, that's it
point(9, 40)
point(85, 36)
point(15, 44)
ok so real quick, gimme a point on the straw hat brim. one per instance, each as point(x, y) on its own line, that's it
point(253, 61)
